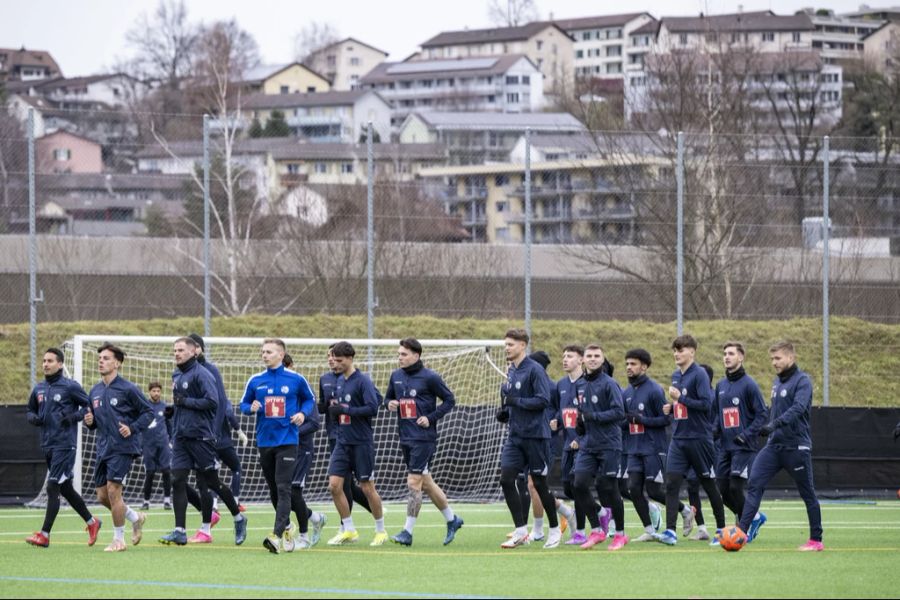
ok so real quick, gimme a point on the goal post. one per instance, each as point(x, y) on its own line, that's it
point(467, 461)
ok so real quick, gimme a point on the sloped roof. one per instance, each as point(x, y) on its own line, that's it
point(599, 21)
point(12, 57)
point(496, 34)
point(260, 73)
point(265, 101)
point(496, 121)
point(350, 39)
point(457, 67)
point(751, 21)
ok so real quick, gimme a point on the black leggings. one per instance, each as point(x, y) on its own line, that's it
point(569, 491)
point(673, 487)
point(608, 490)
point(278, 463)
point(166, 481)
point(72, 497)
point(693, 490)
point(210, 481)
point(519, 513)
point(733, 493)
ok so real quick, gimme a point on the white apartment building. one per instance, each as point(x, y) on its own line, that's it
point(507, 83)
point(346, 62)
point(602, 42)
point(840, 38)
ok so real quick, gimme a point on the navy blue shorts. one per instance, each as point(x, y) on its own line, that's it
point(194, 454)
point(305, 458)
point(113, 468)
point(653, 466)
point(526, 454)
point(567, 465)
point(418, 456)
point(60, 464)
point(356, 459)
point(736, 463)
point(157, 457)
point(685, 454)
point(598, 463)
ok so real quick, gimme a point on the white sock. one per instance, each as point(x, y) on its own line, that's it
point(304, 537)
point(565, 511)
point(448, 514)
point(649, 529)
point(687, 511)
point(119, 534)
point(702, 528)
point(757, 516)
point(379, 525)
point(538, 526)
point(554, 531)
point(131, 515)
point(410, 524)
point(521, 531)
point(167, 499)
point(581, 531)
point(46, 534)
point(239, 517)
point(348, 524)
point(205, 528)
point(216, 503)
point(180, 530)
point(315, 517)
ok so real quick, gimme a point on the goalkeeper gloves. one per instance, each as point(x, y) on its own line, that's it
point(178, 399)
point(580, 429)
point(243, 437)
point(511, 401)
point(503, 415)
point(34, 419)
point(767, 429)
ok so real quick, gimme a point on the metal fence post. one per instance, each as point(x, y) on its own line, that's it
point(528, 231)
point(207, 301)
point(679, 275)
point(370, 238)
point(826, 234)
point(32, 255)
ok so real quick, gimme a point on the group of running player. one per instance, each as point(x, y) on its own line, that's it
point(612, 440)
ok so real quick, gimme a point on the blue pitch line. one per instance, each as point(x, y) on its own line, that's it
point(228, 586)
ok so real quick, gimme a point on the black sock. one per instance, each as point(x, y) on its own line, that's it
point(673, 487)
point(52, 506)
point(298, 505)
point(585, 499)
point(75, 500)
point(148, 485)
point(511, 495)
point(715, 500)
point(636, 487)
point(548, 500)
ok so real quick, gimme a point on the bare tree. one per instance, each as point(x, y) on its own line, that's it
point(314, 36)
point(512, 13)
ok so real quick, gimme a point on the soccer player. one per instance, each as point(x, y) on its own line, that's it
point(282, 401)
point(601, 410)
point(741, 413)
point(569, 392)
point(412, 393)
point(526, 394)
point(306, 454)
point(118, 412)
point(692, 443)
point(354, 453)
point(155, 446)
point(196, 401)
point(225, 422)
point(645, 441)
point(327, 397)
point(790, 443)
point(56, 406)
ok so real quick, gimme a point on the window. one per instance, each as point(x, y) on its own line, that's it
point(503, 205)
point(540, 62)
point(579, 54)
point(512, 98)
point(354, 61)
point(502, 234)
point(586, 36)
point(284, 89)
point(500, 181)
point(540, 44)
point(490, 99)
point(512, 79)
point(526, 80)
point(614, 51)
point(768, 36)
point(354, 82)
point(293, 169)
point(795, 37)
point(347, 167)
point(614, 68)
point(310, 89)
point(62, 154)
point(321, 167)
point(331, 60)
point(683, 39)
point(712, 38)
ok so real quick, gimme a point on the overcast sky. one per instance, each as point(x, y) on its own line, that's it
point(87, 36)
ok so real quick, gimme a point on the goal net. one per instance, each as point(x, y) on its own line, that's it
point(467, 462)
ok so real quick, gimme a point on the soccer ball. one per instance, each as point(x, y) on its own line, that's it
point(733, 539)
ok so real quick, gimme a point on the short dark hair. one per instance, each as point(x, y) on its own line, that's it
point(188, 341)
point(58, 353)
point(684, 341)
point(709, 371)
point(116, 351)
point(343, 350)
point(541, 358)
point(579, 350)
point(639, 354)
point(199, 341)
point(736, 345)
point(154, 385)
point(288, 360)
point(520, 335)
point(412, 344)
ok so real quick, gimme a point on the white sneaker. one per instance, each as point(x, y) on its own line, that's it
point(287, 539)
point(553, 539)
point(612, 525)
point(515, 541)
point(688, 515)
point(303, 543)
point(655, 515)
point(646, 537)
point(701, 536)
point(533, 537)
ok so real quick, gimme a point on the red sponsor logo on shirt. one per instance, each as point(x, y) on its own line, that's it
point(681, 412)
point(570, 418)
point(274, 406)
point(407, 408)
point(731, 417)
point(635, 428)
point(344, 420)
point(40, 397)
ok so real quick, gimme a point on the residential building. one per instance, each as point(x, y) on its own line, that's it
point(572, 201)
point(601, 43)
point(641, 41)
point(882, 47)
point(840, 38)
point(875, 13)
point(27, 65)
point(762, 31)
point(506, 83)
point(325, 116)
point(64, 152)
point(345, 62)
point(111, 90)
point(547, 45)
point(477, 138)
point(288, 78)
point(108, 125)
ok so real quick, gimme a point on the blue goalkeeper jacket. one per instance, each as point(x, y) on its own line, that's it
point(282, 393)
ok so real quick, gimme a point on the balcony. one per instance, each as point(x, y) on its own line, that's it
point(614, 213)
point(548, 217)
point(476, 220)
